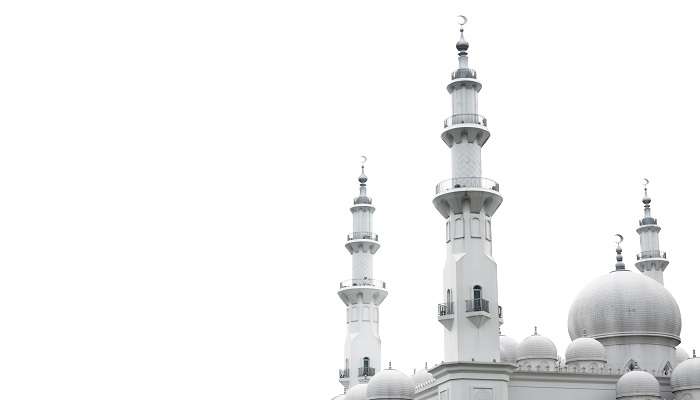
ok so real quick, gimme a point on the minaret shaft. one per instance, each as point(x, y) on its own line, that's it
point(362, 295)
point(470, 312)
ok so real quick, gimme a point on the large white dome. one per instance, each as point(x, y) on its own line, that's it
point(624, 303)
point(686, 375)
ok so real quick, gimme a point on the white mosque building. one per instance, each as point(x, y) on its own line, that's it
point(625, 325)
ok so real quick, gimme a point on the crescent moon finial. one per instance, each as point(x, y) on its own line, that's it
point(620, 238)
point(461, 20)
point(646, 182)
point(364, 160)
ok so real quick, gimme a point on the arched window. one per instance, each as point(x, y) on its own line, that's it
point(365, 362)
point(477, 298)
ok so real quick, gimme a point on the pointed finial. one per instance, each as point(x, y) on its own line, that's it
point(426, 365)
point(619, 265)
point(585, 333)
point(535, 331)
point(462, 45)
point(646, 200)
point(389, 364)
point(693, 353)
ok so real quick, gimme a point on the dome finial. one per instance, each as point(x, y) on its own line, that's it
point(585, 333)
point(389, 364)
point(646, 200)
point(693, 353)
point(619, 265)
point(535, 334)
point(462, 45)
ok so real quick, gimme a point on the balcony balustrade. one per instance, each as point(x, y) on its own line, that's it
point(363, 282)
point(445, 309)
point(476, 182)
point(363, 235)
point(365, 371)
point(477, 305)
point(457, 119)
point(344, 373)
point(464, 73)
point(651, 254)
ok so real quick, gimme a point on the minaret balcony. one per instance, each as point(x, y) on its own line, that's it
point(344, 373)
point(365, 371)
point(446, 311)
point(478, 311)
point(651, 254)
point(482, 193)
point(465, 128)
point(365, 291)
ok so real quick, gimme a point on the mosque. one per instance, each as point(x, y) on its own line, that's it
point(625, 325)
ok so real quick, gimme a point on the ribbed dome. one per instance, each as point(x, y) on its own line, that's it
point(537, 347)
point(357, 392)
point(422, 376)
point(585, 349)
point(390, 384)
point(686, 375)
point(637, 383)
point(509, 349)
point(623, 303)
point(681, 355)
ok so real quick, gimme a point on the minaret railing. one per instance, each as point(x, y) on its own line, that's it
point(477, 305)
point(463, 73)
point(445, 309)
point(363, 282)
point(363, 235)
point(365, 371)
point(344, 373)
point(475, 182)
point(651, 254)
point(457, 119)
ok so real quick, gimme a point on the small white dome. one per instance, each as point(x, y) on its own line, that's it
point(422, 376)
point(637, 383)
point(357, 392)
point(509, 349)
point(537, 347)
point(390, 384)
point(686, 375)
point(339, 397)
point(622, 303)
point(681, 355)
point(585, 349)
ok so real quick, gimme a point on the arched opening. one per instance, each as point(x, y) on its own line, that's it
point(631, 365)
point(478, 306)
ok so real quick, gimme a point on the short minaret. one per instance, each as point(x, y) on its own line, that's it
point(362, 295)
point(650, 261)
point(470, 312)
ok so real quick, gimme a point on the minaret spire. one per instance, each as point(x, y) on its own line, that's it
point(362, 294)
point(651, 261)
point(467, 201)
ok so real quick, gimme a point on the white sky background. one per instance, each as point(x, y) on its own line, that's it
point(176, 178)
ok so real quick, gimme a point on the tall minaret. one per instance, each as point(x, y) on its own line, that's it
point(362, 295)
point(651, 261)
point(470, 312)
